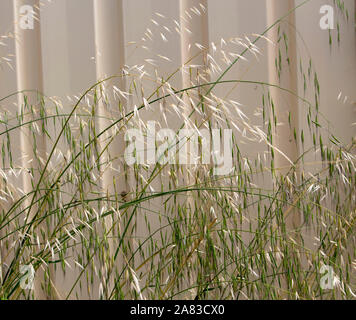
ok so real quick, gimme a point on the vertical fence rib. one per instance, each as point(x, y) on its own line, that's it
point(29, 77)
point(283, 73)
point(110, 59)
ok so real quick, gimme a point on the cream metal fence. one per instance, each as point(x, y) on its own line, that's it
point(73, 44)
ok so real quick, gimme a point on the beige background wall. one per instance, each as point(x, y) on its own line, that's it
point(69, 53)
point(68, 47)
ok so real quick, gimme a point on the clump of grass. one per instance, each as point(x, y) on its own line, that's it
point(176, 231)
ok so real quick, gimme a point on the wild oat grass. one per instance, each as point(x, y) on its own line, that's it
point(177, 231)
